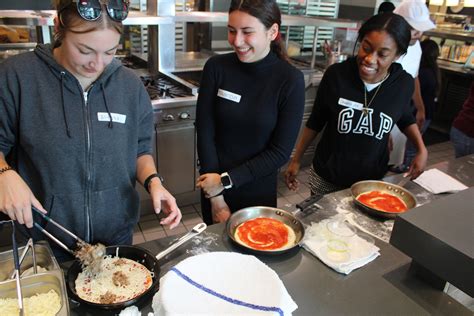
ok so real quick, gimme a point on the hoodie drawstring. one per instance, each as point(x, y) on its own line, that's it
point(111, 123)
point(68, 132)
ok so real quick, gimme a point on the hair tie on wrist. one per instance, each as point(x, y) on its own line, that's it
point(218, 194)
point(147, 181)
point(4, 169)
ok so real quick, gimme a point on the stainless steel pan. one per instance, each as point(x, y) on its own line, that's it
point(372, 185)
point(248, 213)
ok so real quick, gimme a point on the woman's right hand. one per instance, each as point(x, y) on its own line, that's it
point(220, 210)
point(290, 175)
point(16, 198)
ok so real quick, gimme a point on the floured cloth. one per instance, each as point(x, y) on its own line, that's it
point(222, 283)
point(360, 251)
point(437, 182)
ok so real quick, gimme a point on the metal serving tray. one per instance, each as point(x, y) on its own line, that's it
point(44, 258)
point(39, 283)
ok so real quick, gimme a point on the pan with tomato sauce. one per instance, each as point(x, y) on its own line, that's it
point(265, 233)
point(265, 230)
point(382, 201)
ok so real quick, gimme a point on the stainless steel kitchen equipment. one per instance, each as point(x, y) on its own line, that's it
point(174, 139)
point(372, 185)
point(23, 286)
point(199, 228)
point(253, 212)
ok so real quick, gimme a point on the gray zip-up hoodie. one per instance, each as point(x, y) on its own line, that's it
point(76, 152)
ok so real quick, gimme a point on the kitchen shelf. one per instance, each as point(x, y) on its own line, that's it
point(28, 45)
point(457, 35)
point(286, 20)
point(46, 18)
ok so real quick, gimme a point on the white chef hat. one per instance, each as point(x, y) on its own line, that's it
point(416, 14)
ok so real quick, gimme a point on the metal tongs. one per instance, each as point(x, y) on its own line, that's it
point(28, 245)
point(57, 241)
point(16, 262)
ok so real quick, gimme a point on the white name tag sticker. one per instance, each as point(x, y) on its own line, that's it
point(118, 118)
point(350, 104)
point(229, 95)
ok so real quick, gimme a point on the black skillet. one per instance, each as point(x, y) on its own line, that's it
point(137, 254)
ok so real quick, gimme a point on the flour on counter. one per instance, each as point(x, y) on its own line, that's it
point(423, 198)
point(381, 229)
point(344, 205)
point(203, 243)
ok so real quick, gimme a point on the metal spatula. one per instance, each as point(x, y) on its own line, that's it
point(199, 228)
point(404, 180)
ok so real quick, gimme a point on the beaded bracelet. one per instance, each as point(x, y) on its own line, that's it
point(4, 169)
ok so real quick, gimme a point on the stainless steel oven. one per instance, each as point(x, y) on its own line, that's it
point(174, 139)
point(175, 148)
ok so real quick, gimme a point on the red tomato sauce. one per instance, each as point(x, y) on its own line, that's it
point(263, 233)
point(383, 202)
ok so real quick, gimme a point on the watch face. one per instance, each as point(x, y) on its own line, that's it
point(225, 180)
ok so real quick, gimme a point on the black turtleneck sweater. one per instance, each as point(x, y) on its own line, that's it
point(248, 118)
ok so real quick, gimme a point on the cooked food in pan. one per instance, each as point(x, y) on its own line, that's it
point(382, 201)
point(42, 304)
point(119, 280)
point(264, 233)
point(90, 257)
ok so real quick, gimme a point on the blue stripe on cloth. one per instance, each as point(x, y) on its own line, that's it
point(226, 298)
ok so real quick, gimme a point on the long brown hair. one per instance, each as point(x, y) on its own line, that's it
point(69, 18)
point(268, 13)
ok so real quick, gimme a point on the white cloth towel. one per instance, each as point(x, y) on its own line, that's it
point(132, 311)
point(360, 251)
point(222, 283)
point(437, 182)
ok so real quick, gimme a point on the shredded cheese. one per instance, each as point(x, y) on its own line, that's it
point(42, 304)
point(101, 287)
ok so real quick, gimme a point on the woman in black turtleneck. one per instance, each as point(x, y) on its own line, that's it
point(249, 112)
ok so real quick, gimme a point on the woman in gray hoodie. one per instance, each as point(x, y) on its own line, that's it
point(76, 129)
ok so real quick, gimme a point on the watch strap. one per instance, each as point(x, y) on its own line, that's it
point(226, 180)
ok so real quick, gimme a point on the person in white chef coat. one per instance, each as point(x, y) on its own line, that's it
point(417, 15)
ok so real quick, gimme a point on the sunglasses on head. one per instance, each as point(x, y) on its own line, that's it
point(91, 10)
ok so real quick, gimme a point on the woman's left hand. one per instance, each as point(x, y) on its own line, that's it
point(418, 165)
point(210, 183)
point(163, 200)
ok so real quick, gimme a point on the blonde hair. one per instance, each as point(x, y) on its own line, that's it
point(69, 19)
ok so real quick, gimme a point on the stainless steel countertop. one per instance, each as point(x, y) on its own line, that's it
point(386, 286)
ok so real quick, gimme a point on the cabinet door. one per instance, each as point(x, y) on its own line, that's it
point(176, 157)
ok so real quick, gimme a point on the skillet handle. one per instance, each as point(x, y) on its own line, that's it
point(302, 206)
